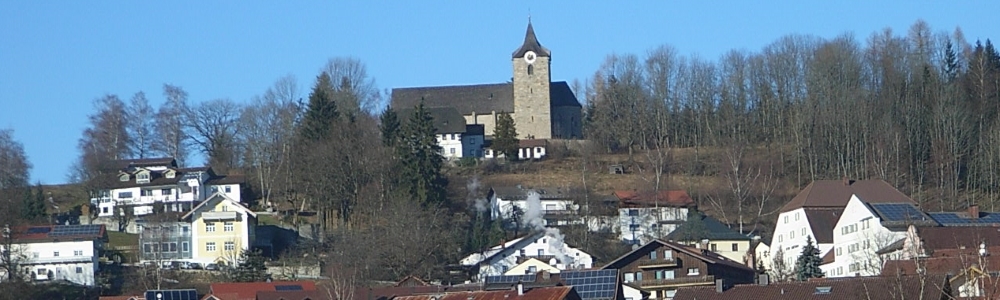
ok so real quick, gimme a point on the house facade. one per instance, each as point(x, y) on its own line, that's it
point(541, 108)
point(141, 185)
point(558, 208)
point(58, 252)
point(863, 229)
point(456, 139)
point(662, 267)
point(646, 216)
point(221, 228)
point(165, 241)
point(709, 233)
point(532, 149)
point(542, 246)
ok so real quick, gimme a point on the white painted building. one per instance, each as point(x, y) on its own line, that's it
point(557, 206)
point(527, 149)
point(456, 139)
point(863, 229)
point(500, 259)
point(58, 252)
point(532, 266)
point(644, 217)
point(143, 184)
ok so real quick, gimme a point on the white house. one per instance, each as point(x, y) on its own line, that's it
point(644, 217)
point(864, 228)
point(456, 139)
point(813, 214)
point(526, 149)
point(221, 228)
point(557, 206)
point(142, 184)
point(57, 252)
point(532, 266)
point(544, 247)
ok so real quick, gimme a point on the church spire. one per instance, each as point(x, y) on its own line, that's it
point(531, 44)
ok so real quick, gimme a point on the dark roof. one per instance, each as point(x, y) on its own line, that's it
point(386, 293)
point(823, 221)
point(542, 293)
point(48, 233)
point(828, 257)
point(291, 295)
point(532, 143)
point(508, 193)
point(894, 246)
point(676, 198)
point(446, 119)
point(939, 238)
point(963, 218)
point(531, 44)
point(708, 257)
point(248, 290)
point(481, 98)
point(227, 179)
point(475, 129)
point(714, 231)
point(874, 288)
point(146, 162)
point(941, 265)
point(836, 193)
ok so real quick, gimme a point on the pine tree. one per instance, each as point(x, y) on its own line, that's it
point(250, 268)
point(322, 111)
point(505, 137)
point(421, 159)
point(389, 126)
point(693, 229)
point(33, 204)
point(807, 265)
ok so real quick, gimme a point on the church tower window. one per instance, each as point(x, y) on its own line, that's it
point(531, 70)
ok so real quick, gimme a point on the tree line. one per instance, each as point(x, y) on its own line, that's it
point(917, 109)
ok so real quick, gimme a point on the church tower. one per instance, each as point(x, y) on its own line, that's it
point(532, 104)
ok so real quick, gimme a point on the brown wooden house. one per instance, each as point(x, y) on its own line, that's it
point(660, 267)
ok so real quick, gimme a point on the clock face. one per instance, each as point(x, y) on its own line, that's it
point(529, 56)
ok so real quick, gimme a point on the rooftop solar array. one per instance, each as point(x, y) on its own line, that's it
point(294, 287)
point(36, 230)
point(172, 295)
point(592, 284)
point(70, 230)
point(511, 279)
point(899, 212)
point(956, 219)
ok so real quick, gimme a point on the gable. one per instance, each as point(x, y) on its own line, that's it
point(217, 201)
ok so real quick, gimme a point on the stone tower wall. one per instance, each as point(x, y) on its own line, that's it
point(532, 106)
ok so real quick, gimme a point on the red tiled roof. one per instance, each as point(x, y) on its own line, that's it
point(390, 292)
point(531, 143)
point(941, 265)
point(291, 295)
point(873, 288)
point(248, 290)
point(940, 238)
point(823, 222)
point(44, 233)
point(836, 193)
point(543, 293)
point(676, 198)
point(136, 297)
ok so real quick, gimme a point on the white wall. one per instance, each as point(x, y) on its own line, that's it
point(858, 234)
point(72, 256)
point(507, 257)
point(789, 237)
point(500, 208)
point(642, 223)
point(451, 145)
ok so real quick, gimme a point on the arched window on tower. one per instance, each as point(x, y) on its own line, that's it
point(531, 69)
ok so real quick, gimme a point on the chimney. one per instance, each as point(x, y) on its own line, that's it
point(763, 280)
point(704, 244)
point(520, 289)
point(847, 181)
point(974, 211)
point(718, 286)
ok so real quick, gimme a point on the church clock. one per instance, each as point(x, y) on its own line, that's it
point(529, 56)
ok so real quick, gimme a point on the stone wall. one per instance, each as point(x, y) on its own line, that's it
point(532, 105)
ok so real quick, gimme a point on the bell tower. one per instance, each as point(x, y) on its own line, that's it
point(532, 104)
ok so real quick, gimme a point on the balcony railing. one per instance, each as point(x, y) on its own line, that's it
point(679, 281)
point(658, 263)
point(219, 215)
point(58, 260)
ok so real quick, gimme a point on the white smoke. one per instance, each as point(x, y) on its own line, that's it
point(534, 220)
point(479, 203)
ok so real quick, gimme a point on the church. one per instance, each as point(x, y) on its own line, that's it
point(541, 109)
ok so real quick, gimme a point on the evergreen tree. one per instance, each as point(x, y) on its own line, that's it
point(389, 126)
point(322, 111)
point(807, 265)
point(421, 159)
point(505, 137)
point(250, 268)
point(33, 204)
point(693, 229)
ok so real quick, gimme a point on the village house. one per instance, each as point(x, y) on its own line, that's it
point(589, 284)
point(661, 267)
point(646, 216)
point(709, 233)
point(531, 149)
point(973, 274)
point(813, 214)
point(177, 294)
point(542, 246)
point(216, 231)
point(541, 108)
point(556, 203)
point(264, 290)
point(456, 139)
point(55, 252)
point(140, 185)
point(869, 288)
point(531, 266)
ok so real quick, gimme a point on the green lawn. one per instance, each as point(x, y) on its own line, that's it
point(263, 219)
point(122, 239)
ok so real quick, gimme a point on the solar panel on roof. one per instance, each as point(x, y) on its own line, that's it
point(899, 212)
point(75, 230)
point(288, 287)
point(39, 230)
point(172, 295)
point(510, 278)
point(592, 284)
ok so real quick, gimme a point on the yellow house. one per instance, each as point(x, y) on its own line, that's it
point(221, 228)
point(531, 266)
point(710, 234)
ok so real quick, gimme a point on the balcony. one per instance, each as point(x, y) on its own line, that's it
point(58, 260)
point(677, 282)
point(657, 263)
point(218, 215)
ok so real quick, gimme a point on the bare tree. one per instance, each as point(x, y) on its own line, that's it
point(213, 128)
point(267, 127)
point(171, 140)
point(140, 126)
point(355, 91)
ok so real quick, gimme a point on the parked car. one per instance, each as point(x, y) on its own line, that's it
point(194, 266)
point(212, 267)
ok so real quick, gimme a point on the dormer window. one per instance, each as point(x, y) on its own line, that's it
point(123, 177)
point(142, 177)
point(169, 174)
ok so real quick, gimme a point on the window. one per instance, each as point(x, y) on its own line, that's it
point(840, 251)
point(173, 247)
point(531, 69)
point(34, 254)
point(230, 246)
point(124, 195)
point(185, 229)
point(145, 192)
point(550, 207)
point(633, 212)
point(668, 274)
point(184, 247)
point(229, 189)
point(803, 231)
point(522, 252)
point(166, 192)
point(629, 277)
point(693, 271)
point(504, 268)
point(532, 270)
point(638, 276)
point(210, 246)
point(79, 270)
point(736, 247)
point(652, 255)
point(104, 210)
point(780, 238)
point(714, 247)
point(169, 174)
point(633, 227)
point(56, 254)
point(452, 150)
point(123, 177)
point(541, 252)
point(791, 235)
point(667, 254)
point(209, 227)
point(142, 177)
point(225, 208)
point(77, 252)
point(227, 227)
point(796, 216)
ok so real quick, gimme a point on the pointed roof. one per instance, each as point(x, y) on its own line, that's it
point(215, 199)
point(531, 44)
point(836, 194)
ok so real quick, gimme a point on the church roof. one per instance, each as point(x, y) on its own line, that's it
point(480, 98)
point(446, 119)
point(531, 44)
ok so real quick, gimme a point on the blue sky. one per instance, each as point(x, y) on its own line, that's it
point(56, 57)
